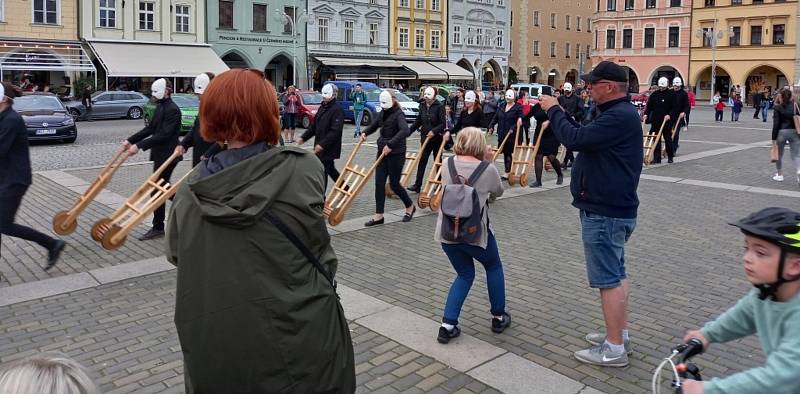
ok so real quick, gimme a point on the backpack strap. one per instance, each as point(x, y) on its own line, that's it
point(478, 172)
point(451, 166)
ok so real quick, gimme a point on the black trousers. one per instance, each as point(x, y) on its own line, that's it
point(757, 108)
point(161, 212)
point(330, 171)
point(666, 136)
point(430, 149)
point(10, 200)
point(391, 167)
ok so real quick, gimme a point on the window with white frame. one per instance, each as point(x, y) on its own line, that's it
point(501, 3)
point(107, 12)
point(552, 49)
point(182, 18)
point(470, 38)
point(567, 49)
point(373, 34)
point(479, 36)
point(578, 23)
point(420, 4)
point(419, 39)
point(403, 39)
point(457, 35)
point(260, 17)
point(348, 32)
point(536, 48)
point(322, 29)
point(536, 18)
point(404, 3)
point(147, 15)
point(498, 40)
point(436, 38)
point(435, 5)
point(45, 11)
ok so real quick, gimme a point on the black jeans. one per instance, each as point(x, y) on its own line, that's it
point(758, 110)
point(431, 148)
point(330, 171)
point(718, 115)
point(391, 167)
point(10, 200)
point(161, 212)
point(666, 136)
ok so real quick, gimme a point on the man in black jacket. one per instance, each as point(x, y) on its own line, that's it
point(683, 108)
point(605, 177)
point(16, 177)
point(573, 106)
point(661, 106)
point(327, 132)
point(202, 149)
point(430, 123)
point(161, 137)
point(757, 103)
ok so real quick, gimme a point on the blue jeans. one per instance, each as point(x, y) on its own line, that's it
point(764, 109)
point(461, 257)
point(604, 241)
point(359, 117)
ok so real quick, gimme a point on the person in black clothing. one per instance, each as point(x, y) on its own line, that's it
point(202, 149)
point(757, 103)
point(392, 143)
point(548, 148)
point(507, 118)
point(661, 106)
point(572, 105)
point(471, 116)
point(16, 177)
point(683, 108)
point(430, 123)
point(327, 132)
point(489, 108)
point(160, 135)
point(87, 103)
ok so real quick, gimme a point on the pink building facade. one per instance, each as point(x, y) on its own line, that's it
point(649, 37)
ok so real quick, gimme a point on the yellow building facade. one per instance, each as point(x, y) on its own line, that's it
point(752, 45)
point(418, 29)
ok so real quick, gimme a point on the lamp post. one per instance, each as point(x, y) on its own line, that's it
point(713, 38)
point(292, 21)
point(482, 39)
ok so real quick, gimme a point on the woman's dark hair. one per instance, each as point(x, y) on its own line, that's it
point(786, 96)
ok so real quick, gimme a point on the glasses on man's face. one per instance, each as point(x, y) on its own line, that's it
point(591, 85)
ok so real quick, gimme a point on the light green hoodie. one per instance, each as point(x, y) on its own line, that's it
point(777, 325)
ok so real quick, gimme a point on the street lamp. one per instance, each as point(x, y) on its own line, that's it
point(713, 37)
point(286, 18)
point(483, 39)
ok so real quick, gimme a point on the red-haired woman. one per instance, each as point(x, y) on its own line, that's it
point(256, 309)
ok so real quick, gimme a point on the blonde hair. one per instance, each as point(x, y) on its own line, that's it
point(45, 374)
point(470, 141)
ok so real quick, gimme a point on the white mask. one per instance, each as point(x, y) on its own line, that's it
point(327, 91)
point(510, 95)
point(429, 93)
point(159, 88)
point(567, 87)
point(469, 97)
point(663, 82)
point(677, 82)
point(386, 100)
point(201, 83)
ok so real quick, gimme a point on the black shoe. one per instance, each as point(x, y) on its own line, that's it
point(445, 336)
point(373, 222)
point(498, 325)
point(414, 189)
point(503, 178)
point(670, 160)
point(54, 253)
point(152, 234)
point(408, 216)
point(536, 184)
point(560, 180)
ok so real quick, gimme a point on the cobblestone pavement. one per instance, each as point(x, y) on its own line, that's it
point(684, 264)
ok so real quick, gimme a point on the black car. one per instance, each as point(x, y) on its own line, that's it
point(46, 118)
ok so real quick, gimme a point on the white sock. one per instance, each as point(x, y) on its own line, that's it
point(616, 349)
point(448, 327)
point(499, 318)
point(625, 336)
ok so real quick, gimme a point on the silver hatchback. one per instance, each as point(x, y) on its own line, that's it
point(110, 105)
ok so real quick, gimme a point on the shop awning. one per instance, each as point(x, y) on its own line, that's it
point(425, 70)
point(356, 62)
point(156, 60)
point(366, 68)
point(454, 71)
point(27, 55)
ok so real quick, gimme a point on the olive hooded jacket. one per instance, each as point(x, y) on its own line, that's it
point(253, 315)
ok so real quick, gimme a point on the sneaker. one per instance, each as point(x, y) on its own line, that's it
point(560, 180)
point(54, 253)
point(536, 184)
point(598, 338)
point(498, 325)
point(445, 336)
point(601, 355)
point(152, 234)
point(777, 177)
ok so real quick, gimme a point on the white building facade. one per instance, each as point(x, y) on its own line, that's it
point(478, 32)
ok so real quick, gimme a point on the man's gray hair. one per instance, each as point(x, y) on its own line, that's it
point(46, 373)
point(622, 86)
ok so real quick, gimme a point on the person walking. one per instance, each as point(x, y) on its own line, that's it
point(588, 107)
point(291, 107)
point(327, 132)
point(359, 99)
point(683, 108)
point(524, 103)
point(719, 110)
point(489, 108)
point(784, 133)
point(548, 146)
point(456, 102)
point(430, 122)
point(86, 100)
point(737, 108)
point(662, 107)
point(757, 96)
point(392, 144)
point(603, 185)
point(507, 118)
point(471, 116)
point(766, 102)
point(572, 105)
point(256, 309)
point(160, 136)
point(692, 104)
point(193, 138)
point(16, 176)
point(472, 161)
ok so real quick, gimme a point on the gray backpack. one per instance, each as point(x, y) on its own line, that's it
point(461, 206)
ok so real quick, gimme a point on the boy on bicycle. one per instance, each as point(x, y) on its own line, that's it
point(771, 310)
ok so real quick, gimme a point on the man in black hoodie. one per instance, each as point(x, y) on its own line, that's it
point(573, 107)
point(430, 123)
point(683, 108)
point(327, 132)
point(161, 137)
point(661, 106)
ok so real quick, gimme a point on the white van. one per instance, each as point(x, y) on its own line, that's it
point(532, 89)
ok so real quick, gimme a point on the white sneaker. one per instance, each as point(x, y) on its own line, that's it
point(778, 177)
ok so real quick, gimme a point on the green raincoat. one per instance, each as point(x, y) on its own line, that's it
point(253, 314)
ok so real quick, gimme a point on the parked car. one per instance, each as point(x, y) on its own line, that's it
point(443, 90)
point(309, 105)
point(46, 118)
point(371, 106)
point(189, 105)
point(417, 96)
point(409, 106)
point(111, 104)
point(532, 89)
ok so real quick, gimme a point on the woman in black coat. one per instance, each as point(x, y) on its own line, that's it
point(507, 117)
point(327, 132)
point(392, 143)
point(471, 116)
point(548, 148)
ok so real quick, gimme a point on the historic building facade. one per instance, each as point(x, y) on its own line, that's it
point(478, 38)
